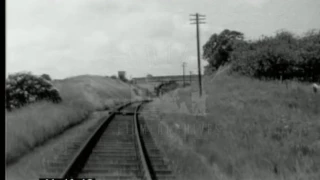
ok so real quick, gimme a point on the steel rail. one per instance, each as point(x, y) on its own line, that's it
point(145, 161)
point(79, 160)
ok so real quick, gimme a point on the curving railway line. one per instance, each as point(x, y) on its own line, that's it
point(121, 147)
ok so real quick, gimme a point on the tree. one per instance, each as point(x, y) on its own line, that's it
point(25, 88)
point(46, 76)
point(283, 56)
point(218, 48)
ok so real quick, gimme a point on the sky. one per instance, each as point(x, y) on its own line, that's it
point(65, 38)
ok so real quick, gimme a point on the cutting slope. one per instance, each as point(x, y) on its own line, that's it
point(32, 125)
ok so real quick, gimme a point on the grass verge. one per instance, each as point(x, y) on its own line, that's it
point(242, 128)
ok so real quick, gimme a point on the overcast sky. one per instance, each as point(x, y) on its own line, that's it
point(66, 38)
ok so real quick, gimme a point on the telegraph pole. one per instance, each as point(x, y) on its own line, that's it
point(183, 66)
point(197, 22)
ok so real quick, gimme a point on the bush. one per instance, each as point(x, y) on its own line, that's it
point(25, 88)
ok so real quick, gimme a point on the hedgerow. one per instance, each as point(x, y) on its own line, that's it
point(24, 88)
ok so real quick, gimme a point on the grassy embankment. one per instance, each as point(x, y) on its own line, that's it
point(33, 124)
point(252, 130)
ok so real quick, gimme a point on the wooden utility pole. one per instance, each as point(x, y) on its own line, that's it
point(197, 22)
point(183, 66)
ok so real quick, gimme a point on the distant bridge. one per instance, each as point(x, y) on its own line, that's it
point(160, 79)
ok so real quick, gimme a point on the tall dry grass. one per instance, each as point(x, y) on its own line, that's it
point(252, 130)
point(32, 125)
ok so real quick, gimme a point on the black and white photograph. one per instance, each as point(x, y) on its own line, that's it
point(162, 90)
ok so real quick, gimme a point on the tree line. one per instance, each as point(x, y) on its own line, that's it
point(282, 56)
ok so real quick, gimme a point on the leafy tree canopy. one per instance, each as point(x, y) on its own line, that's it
point(24, 88)
point(46, 76)
point(218, 48)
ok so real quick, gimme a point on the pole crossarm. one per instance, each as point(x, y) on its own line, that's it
point(202, 18)
point(200, 15)
point(198, 23)
point(196, 19)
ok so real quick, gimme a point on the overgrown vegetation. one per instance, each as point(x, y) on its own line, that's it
point(25, 88)
point(283, 56)
point(253, 130)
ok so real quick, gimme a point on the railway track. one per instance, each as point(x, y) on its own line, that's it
point(121, 147)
